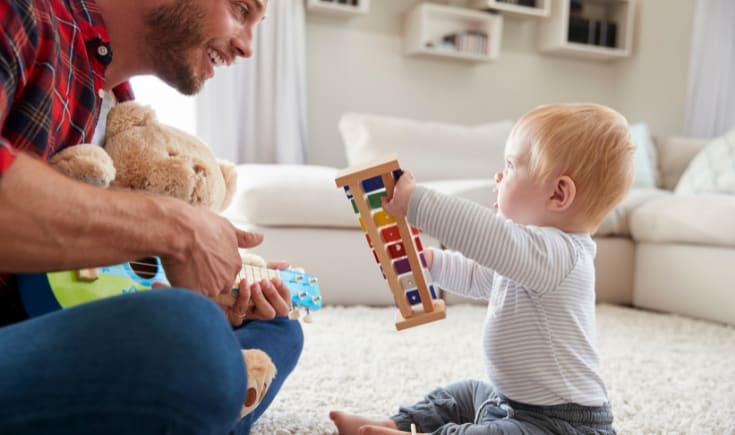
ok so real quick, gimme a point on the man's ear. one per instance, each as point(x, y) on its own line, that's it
point(563, 195)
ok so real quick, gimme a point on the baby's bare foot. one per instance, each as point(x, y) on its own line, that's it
point(349, 424)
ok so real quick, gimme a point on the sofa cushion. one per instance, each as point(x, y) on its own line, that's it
point(617, 222)
point(646, 173)
point(431, 150)
point(695, 219)
point(674, 155)
point(307, 196)
point(712, 170)
point(290, 195)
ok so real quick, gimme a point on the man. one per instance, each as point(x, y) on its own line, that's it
point(162, 361)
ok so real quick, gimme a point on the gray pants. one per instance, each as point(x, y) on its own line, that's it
point(475, 408)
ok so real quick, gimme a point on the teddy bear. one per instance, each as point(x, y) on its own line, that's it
point(140, 153)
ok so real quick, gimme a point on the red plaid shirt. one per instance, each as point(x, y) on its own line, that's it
point(53, 56)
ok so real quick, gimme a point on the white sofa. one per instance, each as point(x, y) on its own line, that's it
point(657, 250)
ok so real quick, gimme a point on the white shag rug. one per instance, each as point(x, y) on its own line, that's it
point(665, 374)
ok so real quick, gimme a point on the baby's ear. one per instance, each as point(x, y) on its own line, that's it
point(565, 191)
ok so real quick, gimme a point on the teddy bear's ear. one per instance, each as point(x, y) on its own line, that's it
point(229, 172)
point(128, 114)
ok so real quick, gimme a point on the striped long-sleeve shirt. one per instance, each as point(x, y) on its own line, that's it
point(539, 338)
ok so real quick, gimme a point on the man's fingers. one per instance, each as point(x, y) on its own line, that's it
point(283, 290)
point(279, 264)
point(248, 239)
point(278, 296)
point(243, 299)
point(262, 305)
point(233, 318)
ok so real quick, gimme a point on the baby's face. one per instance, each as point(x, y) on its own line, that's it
point(521, 197)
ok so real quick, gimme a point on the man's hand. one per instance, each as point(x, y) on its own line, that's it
point(398, 205)
point(262, 300)
point(211, 260)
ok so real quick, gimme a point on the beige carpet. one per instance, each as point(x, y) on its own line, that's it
point(665, 374)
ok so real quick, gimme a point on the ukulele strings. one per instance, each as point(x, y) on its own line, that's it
point(249, 270)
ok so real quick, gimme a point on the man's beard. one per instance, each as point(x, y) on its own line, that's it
point(172, 32)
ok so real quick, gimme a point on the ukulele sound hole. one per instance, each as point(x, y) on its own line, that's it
point(146, 268)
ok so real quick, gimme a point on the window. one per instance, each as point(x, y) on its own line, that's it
point(171, 107)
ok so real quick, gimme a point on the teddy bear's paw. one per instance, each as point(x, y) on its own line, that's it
point(86, 162)
point(261, 372)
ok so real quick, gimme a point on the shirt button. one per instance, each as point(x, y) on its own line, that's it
point(101, 93)
point(102, 50)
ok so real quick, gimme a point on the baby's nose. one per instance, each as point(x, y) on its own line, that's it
point(498, 176)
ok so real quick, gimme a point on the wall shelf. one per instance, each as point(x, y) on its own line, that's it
point(513, 8)
point(452, 33)
point(606, 25)
point(339, 8)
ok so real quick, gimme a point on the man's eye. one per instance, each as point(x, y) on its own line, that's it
point(243, 10)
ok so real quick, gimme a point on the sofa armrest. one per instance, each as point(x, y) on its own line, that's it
point(290, 195)
point(686, 219)
point(307, 196)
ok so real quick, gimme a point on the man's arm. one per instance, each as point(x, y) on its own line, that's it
point(51, 222)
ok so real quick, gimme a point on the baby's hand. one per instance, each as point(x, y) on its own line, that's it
point(398, 205)
point(429, 257)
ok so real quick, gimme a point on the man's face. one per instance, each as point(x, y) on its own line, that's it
point(186, 39)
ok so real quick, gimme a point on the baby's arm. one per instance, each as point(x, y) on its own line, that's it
point(452, 271)
point(535, 257)
point(458, 274)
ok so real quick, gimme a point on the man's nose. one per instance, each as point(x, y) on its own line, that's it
point(242, 43)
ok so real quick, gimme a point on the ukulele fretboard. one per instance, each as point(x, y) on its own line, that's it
point(255, 274)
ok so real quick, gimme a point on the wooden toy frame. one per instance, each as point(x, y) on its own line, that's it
point(388, 170)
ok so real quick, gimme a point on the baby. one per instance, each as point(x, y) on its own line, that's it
point(566, 167)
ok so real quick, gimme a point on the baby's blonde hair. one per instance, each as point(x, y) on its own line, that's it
point(590, 143)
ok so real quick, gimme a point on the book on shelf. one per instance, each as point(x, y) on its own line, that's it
point(469, 41)
point(605, 33)
point(527, 3)
point(592, 32)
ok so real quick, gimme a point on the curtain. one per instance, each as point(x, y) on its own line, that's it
point(711, 93)
point(255, 110)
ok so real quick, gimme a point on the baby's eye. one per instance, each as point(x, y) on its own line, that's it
point(508, 164)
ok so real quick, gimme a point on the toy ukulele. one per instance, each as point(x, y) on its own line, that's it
point(43, 293)
point(396, 246)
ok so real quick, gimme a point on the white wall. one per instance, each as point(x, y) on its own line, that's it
point(652, 84)
point(358, 65)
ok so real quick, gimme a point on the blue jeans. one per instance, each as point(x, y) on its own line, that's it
point(160, 361)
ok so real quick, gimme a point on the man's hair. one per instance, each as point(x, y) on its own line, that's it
point(590, 143)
